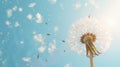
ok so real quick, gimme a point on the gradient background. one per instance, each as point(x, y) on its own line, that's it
point(61, 14)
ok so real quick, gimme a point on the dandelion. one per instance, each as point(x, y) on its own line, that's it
point(91, 36)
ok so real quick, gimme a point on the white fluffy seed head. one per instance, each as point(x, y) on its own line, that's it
point(85, 25)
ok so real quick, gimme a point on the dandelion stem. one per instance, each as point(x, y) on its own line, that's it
point(91, 60)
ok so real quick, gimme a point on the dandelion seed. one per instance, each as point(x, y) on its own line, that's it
point(17, 24)
point(7, 23)
point(21, 42)
point(41, 49)
point(3, 63)
point(38, 56)
point(53, 1)
point(86, 4)
point(93, 3)
point(77, 5)
point(26, 59)
point(31, 5)
point(39, 38)
point(48, 34)
point(56, 29)
point(34, 32)
point(63, 41)
point(52, 47)
point(20, 9)
point(38, 18)
point(64, 51)
point(9, 13)
point(14, 8)
point(67, 65)
point(29, 16)
point(46, 23)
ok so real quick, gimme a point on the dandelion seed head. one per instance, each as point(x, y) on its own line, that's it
point(90, 25)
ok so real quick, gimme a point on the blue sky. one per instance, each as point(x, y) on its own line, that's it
point(32, 32)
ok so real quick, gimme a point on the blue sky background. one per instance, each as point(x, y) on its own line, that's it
point(18, 48)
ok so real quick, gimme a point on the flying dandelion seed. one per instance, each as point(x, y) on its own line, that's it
point(91, 36)
point(38, 18)
point(20, 9)
point(77, 5)
point(53, 1)
point(17, 24)
point(3, 63)
point(14, 8)
point(29, 16)
point(7, 23)
point(9, 13)
point(52, 47)
point(39, 38)
point(42, 49)
point(67, 65)
point(26, 59)
point(31, 5)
